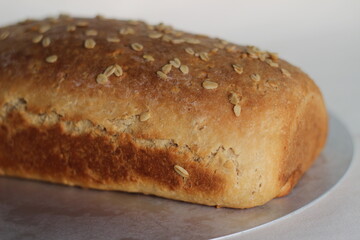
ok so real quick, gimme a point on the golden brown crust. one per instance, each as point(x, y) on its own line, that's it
point(117, 104)
point(308, 130)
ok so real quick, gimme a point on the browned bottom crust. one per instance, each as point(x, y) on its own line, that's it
point(98, 159)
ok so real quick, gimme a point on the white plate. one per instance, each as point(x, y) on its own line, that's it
point(35, 210)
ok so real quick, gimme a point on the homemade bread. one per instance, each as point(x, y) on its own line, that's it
point(123, 105)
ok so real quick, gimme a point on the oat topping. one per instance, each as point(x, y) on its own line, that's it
point(91, 33)
point(256, 53)
point(238, 68)
point(262, 57)
point(100, 17)
point(181, 171)
point(53, 20)
point(204, 56)
point(209, 84)
point(89, 43)
point(46, 42)
point(82, 24)
point(71, 28)
point(166, 68)
point(252, 49)
point(274, 56)
point(155, 35)
point(134, 22)
point(274, 64)
point(161, 75)
point(127, 31)
point(148, 58)
point(177, 33)
point(184, 69)
point(37, 38)
point(109, 71)
point(113, 39)
point(271, 63)
point(144, 116)
point(4, 35)
point(256, 77)
point(237, 110)
point(253, 55)
point(189, 51)
point(149, 27)
point(214, 50)
point(285, 72)
point(234, 98)
point(231, 48)
point(177, 41)
point(192, 40)
point(166, 38)
point(118, 70)
point(162, 27)
point(44, 28)
point(102, 78)
point(167, 34)
point(51, 59)
point(137, 47)
point(113, 69)
point(175, 63)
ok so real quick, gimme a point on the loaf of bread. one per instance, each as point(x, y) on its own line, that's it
point(124, 105)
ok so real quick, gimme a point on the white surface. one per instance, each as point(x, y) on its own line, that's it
point(321, 37)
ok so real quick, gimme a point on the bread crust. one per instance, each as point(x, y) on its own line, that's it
point(59, 124)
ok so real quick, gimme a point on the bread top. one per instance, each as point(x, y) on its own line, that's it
point(153, 82)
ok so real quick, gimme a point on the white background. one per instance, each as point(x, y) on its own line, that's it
point(322, 37)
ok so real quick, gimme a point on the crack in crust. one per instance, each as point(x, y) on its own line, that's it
point(86, 126)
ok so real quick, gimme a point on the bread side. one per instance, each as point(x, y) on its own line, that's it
point(242, 141)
